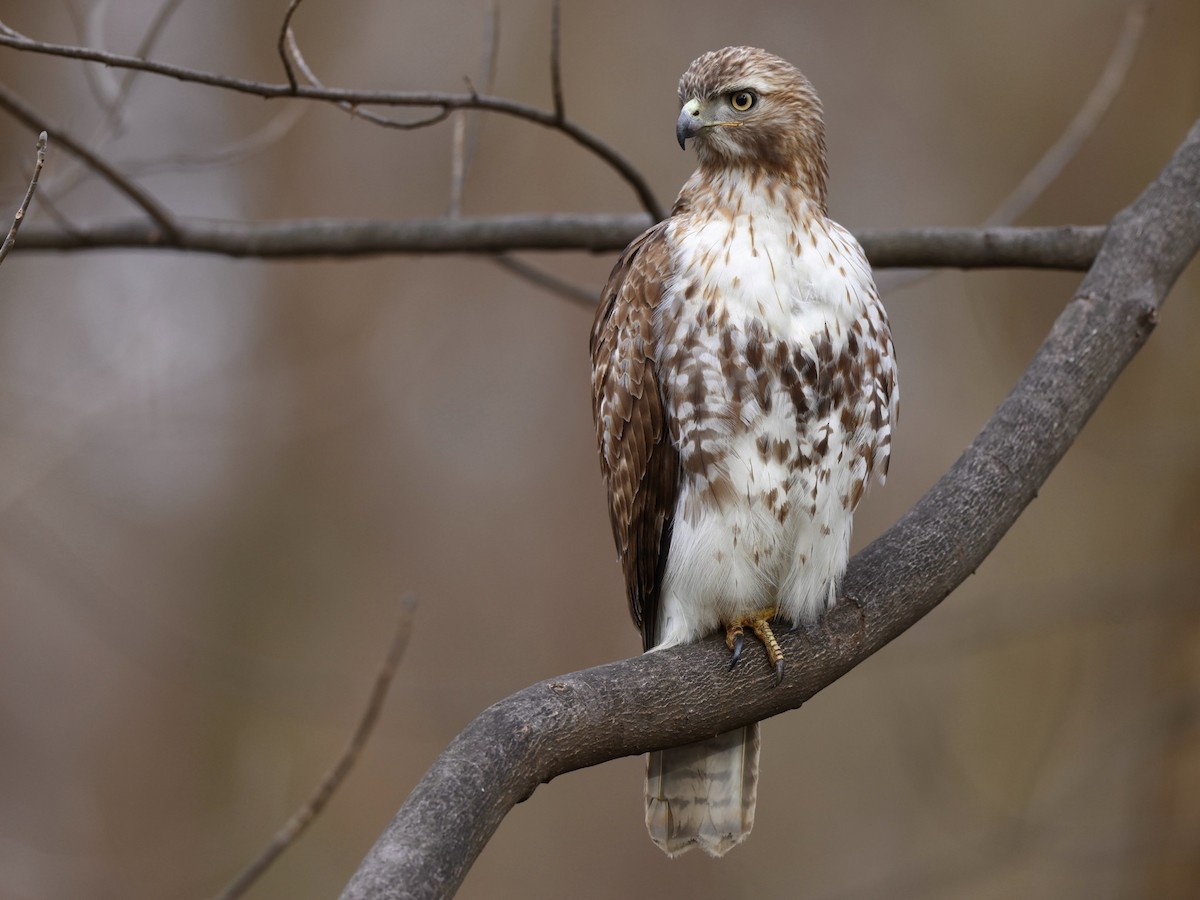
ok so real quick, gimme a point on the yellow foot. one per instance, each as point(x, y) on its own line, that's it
point(760, 623)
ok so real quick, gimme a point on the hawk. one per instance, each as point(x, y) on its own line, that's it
point(744, 393)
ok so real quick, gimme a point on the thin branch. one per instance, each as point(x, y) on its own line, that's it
point(568, 290)
point(458, 166)
point(556, 59)
point(293, 50)
point(39, 161)
point(285, 38)
point(111, 93)
point(266, 135)
point(1080, 128)
point(24, 113)
point(337, 773)
point(466, 125)
point(1055, 159)
point(489, 67)
point(157, 25)
point(1066, 247)
point(686, 693)
point(89, 30)
point(446, 102)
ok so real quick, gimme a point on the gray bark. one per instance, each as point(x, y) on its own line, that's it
point(680, 695)
point(1061, 247)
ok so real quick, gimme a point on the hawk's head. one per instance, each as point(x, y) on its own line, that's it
point(745, 107)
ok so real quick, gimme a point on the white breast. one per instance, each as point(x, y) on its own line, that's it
point(752, 342)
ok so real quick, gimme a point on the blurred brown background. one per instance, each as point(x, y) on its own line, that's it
point(218, 476)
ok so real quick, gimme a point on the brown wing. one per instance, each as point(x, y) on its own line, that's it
point(640, 464)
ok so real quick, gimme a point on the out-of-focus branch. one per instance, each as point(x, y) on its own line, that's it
point(260, 139)
point(576, 293)
point(39, 161)
point(556, 88)
point(291, 50)
point(444, 102)
point(27, 115)
point(337, 773)
point(687, 693)
point(1062, 151)
point(1070, 247)
point(466, 124)
point(1080, 128)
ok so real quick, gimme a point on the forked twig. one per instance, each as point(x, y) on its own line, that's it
point(333, 778)
point(286, 37)
point(293, 51)
point(24, 207)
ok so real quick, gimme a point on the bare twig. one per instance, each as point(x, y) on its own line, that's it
point(686, 693)
point(337, 773)
point(466, 125)
point(354, 109)
point(21, 111)
point(445, 102)
point(556, 59)
point(285, 38)
point(489, 67)
point(568, 290)
point(39, 161)
point(1080, 128)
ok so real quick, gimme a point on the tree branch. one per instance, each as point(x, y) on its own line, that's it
point(19, 217)
point(686, 693)
point(446, 102)
point(1070, 247)
point(285, 35)
point(332, 779)
point(584, 295)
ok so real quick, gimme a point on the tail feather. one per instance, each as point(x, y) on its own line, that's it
point(703, 794)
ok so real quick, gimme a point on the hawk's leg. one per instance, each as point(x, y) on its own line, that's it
point(760, 623)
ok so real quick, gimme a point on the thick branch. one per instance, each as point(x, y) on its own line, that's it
point(1066, 247)
point(686, 693)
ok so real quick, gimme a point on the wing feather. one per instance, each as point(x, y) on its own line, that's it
point(639, 462)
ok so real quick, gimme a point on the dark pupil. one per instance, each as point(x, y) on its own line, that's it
point(742, 99)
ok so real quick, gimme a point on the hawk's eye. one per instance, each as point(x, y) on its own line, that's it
point(742, 100)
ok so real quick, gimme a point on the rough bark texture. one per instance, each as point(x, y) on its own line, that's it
point(687, 693)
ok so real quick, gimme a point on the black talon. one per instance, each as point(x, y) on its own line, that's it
point(739, 641)
point(779, 672)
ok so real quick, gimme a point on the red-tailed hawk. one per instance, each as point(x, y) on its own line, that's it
point(745, 391)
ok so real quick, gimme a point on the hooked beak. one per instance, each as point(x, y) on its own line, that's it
point(689, 124)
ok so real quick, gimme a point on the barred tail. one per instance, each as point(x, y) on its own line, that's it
point(703, 794)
